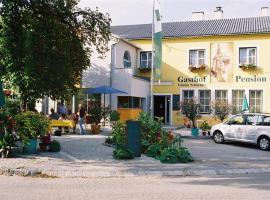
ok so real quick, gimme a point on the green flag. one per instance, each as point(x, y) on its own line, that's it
point(245, 106)
point(157, 40)
point(2, 96)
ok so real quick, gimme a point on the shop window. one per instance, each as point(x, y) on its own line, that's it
point(188, 95)
point(248, 56)
point(176, 102)
point(197, 57)
point(237, 100)
point(255, 100)
point(204, 99)
point(145, 59)
point(129, 102)
point(127, 60)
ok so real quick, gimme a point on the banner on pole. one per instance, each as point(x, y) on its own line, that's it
point(157, 40)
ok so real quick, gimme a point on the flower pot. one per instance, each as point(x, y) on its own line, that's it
point(31, 147)
point(204, 133)
point(195, 132)
point(95, 129)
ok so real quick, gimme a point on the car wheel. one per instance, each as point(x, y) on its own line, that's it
point(264, 143)
point(218, 137)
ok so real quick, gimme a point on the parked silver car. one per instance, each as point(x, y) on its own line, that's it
point(250, 128)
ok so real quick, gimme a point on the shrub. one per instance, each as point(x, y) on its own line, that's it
point(150, 128)
point(119, 134)
point(222, 109)
point(205, 126)
point(31, 125)
point(114, 116)
point(154, 150)
point(12, 107)
point(122, 153)
point(175, 154)
point(145, 145)
point(55, 146)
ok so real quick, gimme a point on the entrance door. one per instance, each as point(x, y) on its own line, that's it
point(162, 108)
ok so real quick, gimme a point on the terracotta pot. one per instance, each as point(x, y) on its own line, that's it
point(204, 133)
point(95, 129)
point(42, 147)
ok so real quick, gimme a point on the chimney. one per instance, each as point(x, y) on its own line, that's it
point(264, 11)
point(196, 16)
point(218, 13)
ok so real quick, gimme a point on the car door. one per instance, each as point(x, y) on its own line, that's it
point(250, 131)
point(236, 127)
point(262, 126)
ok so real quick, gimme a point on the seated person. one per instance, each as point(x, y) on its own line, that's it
point(53, 115)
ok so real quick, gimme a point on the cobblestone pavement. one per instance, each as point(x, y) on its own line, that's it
point(86, 156)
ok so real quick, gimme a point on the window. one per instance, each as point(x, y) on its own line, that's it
point(188, 95)
point(255, 100)
point(237, 100)
point(127, 60)
point(251, 120)
point(146, 59)
point(204, 99)
point(263, 120)
point(237, 120)
point(176, 102)
point(197, 57)
point(248, 56)
point(221, 95)
point(129, 102)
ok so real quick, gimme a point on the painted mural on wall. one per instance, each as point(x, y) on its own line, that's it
point(221, 62)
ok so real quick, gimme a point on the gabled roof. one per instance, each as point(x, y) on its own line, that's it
point(202, 28)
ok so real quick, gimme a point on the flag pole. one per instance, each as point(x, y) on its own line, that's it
point(152, 67)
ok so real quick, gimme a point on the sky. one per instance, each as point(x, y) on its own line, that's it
point(124, 12)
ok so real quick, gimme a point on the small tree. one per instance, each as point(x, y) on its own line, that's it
point(222, 109)
point(190, 108)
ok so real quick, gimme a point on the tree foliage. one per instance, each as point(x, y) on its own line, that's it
point(222, 109)
point(190, 109)
point(46, 44)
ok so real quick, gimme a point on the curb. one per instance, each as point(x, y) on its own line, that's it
point(125, 174)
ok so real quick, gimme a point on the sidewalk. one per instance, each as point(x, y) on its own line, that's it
point(86, 156)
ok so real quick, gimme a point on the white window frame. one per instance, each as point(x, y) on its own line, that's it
point(222, 95)
point(256, 99)
point(204, 105)
point(238, 99)
point(126, 60)
point(247, 47)
point(189, 98)
point(197, 56)
point(147, 59)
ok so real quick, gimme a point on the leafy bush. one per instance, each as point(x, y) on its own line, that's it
point(145, 145)
point(150, 127)
point(31, 125)
point(154, 150)
point(222, 109)
point(114, 116)
point(55, 146)
point(205, 126)
point(119, 135)
point(122, 153)
point(12, 107)
point(175, 154)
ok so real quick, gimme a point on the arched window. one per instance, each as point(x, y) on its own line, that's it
point(127, 61)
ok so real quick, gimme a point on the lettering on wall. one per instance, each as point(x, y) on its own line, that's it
point(191, 81)
point(253, 79)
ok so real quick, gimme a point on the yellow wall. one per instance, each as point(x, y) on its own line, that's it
point(129, 113)
point(176, 63)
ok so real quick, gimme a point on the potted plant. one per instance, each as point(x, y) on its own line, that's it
point(205, 128)
point(194, 68)
point(30, 126)
point(96, 115)
point(45, 142)
point(190, 109)
point(248, 66)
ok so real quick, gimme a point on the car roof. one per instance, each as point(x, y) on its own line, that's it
point(264, 114)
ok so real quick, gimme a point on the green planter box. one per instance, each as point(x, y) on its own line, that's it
point(31, 148)
point(134, 137)
point(195, 132)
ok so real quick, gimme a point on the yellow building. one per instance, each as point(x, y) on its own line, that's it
point(219, 59)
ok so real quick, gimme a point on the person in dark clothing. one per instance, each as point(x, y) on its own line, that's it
point(81, 113)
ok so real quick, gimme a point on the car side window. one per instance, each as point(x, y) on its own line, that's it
point(251, 120)
point(237, 120)
point(263, 121)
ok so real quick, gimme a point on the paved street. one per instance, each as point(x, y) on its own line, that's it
point(221, 188)
point(86, 156)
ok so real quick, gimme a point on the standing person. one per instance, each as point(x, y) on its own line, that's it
point(81, 114)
